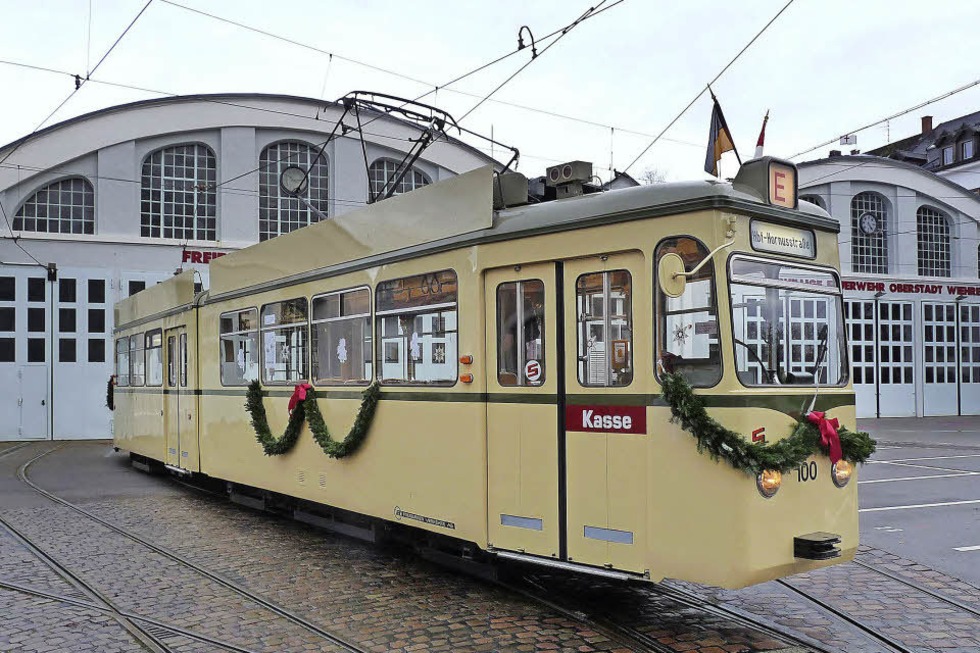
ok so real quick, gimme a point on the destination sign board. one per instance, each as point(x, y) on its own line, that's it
point(780, 239)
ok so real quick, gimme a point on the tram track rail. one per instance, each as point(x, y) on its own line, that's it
point(920, 588)
point(148, 632)
point(742, 617)
point(133, 619)
point(152, 627)
point(625, 635)
point(637, 640)
point(889, 642)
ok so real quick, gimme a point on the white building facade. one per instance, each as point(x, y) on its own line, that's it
point(100, 206)
point(910, 250)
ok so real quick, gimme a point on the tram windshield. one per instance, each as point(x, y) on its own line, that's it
point(788, 324)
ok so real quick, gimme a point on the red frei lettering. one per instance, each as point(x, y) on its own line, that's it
point(186, 256)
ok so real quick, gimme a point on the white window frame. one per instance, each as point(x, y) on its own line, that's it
point(367, 346)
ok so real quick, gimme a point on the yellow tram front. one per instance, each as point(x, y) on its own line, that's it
point(724, 300)
point(752, 318)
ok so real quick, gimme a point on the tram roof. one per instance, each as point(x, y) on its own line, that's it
point(458, 213)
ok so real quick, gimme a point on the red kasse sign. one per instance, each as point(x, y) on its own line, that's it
point(606, 419)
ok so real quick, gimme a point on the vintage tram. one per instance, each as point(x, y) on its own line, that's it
point(520, 352)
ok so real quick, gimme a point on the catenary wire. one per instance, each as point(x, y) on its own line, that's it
point(316, 118)
point(589, 14)
point(79, 83)
point(903, 112)
point(15, 239)
point(560, 32)
point(715, 79)
point(434, 88)
point(586, 15)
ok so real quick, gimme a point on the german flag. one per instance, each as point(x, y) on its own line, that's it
point(719, 139)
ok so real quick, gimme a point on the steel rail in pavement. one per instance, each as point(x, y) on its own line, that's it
point(207, 573)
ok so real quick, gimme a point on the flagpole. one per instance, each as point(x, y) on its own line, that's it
point(762, 136)
point(719, 126)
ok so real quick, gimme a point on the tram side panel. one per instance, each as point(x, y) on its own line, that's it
point(139, 408)
point(423, 462)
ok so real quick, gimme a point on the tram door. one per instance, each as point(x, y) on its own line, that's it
point(606, 311)
point(522, 411)
point(171, 397)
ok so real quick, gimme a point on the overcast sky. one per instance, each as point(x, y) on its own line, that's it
point(825, 67)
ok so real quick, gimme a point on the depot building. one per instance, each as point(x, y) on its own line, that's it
point(910, 263)
point(100, 206)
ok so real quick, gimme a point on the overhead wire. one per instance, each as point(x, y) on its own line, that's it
point(290, 41)
point(384, 70)
point(561, 31)
point(715, 79)
point(899, 114)
point(589, 13)
point(79, 82)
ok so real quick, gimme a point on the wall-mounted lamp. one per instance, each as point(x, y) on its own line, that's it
point(879, 294)
point(961, 297)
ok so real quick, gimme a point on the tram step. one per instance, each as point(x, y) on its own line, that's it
point(816, 546)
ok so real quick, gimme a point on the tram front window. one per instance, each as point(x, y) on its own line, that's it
point(788, 324)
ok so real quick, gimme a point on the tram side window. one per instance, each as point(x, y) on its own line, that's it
point(688, 325)
point(154, 358)
point(284, 341)
point(239, 347)
point(137, 362)
point(520, 333)
point(341, 337)
point(416, 327)
point(122, 361)
point(603, 303)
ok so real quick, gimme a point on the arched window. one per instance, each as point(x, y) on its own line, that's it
point(932, 227)
point(279, 211)
point(869, 233)
point(383, 171)
point(814, 199)
point(177, 193)
point(63, 207)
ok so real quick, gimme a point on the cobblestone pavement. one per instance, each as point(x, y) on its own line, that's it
point(912, 618)
point(379, 598)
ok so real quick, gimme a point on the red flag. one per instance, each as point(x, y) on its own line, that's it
point(762, 137)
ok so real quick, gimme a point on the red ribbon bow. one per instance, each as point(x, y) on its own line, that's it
point(299, 394)
point(828, 434)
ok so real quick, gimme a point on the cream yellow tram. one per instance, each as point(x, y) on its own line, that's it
point(517, 355)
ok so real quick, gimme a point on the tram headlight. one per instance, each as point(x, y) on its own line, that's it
point(768, 482)
point(841, 472)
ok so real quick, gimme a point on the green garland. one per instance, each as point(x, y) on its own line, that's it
point(754, 457)
point(308, 410)
point(357, 432)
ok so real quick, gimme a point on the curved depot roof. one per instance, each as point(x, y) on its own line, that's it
point(876, 169)
point(91, 131)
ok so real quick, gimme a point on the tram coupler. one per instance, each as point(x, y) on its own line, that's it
point(816, 546)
